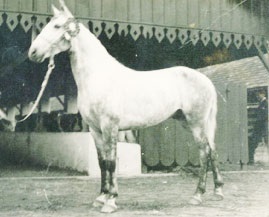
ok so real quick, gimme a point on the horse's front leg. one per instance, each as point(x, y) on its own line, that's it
point(110, 135)
point(107, 155)
point(100, 147)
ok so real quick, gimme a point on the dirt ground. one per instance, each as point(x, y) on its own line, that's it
point(36, 193)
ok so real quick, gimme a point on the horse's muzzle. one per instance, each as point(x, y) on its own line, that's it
point(34, 55)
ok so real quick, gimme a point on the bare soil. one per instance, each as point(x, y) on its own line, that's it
point(36, 193)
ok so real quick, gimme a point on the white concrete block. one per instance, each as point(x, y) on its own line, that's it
point(69, 150)
point(129, 159)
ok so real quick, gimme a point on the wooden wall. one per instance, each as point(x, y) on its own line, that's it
point(219, 15)
point(170, 143)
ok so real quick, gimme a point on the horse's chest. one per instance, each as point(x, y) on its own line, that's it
point(91, 107)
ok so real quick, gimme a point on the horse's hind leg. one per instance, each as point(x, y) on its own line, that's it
point(216, 174)
point(204, 151)
point(213, 155)
point(207, 154)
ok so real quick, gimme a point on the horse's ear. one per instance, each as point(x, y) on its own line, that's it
point(64, 8)
point(55, 10)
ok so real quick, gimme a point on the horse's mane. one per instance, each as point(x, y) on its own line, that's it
point(93, 44)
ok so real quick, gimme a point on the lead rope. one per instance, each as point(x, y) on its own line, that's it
point(51, 66)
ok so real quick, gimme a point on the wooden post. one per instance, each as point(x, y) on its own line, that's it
point(71, 104)
point(267, 144)
point(45, 105)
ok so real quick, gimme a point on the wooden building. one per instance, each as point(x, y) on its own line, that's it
point(142, 34)
point(236, 82)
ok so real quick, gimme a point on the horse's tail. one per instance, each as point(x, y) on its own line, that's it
point(211, 120)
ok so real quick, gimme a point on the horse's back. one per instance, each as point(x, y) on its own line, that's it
point(149, 97)
point(178, 75)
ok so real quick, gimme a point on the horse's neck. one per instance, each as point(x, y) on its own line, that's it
point(89, 56)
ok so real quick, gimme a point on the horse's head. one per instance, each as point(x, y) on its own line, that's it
point(56, 35)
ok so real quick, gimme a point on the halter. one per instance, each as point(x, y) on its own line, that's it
point(71, 28)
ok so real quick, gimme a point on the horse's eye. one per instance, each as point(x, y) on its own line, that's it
point(57, 26)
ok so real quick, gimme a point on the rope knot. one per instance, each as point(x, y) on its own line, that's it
point(51, 64)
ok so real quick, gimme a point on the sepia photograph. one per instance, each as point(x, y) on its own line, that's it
point(129, 108)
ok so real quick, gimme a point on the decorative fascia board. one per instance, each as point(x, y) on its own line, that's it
point(135, 30)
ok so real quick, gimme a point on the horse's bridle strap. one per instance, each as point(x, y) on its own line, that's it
point(71, 27)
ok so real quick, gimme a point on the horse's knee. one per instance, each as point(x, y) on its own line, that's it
point(110, 165)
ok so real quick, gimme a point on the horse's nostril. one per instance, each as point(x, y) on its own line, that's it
point(33, 52)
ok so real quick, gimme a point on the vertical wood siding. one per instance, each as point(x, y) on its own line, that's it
point(219, 15)
point(170, 142)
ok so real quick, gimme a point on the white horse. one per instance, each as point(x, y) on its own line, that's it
point(112, 98)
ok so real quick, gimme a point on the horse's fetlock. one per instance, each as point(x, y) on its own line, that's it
point(105, 190)
point(113, 195)
point(219, 183)
point(201, 188)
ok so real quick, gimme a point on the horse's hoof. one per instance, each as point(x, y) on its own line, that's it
point(100, 201)
point(218, 195)
point(97, 204)
point(110, 206)
point(195, 200)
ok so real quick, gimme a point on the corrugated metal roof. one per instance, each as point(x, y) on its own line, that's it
point(250, 71)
